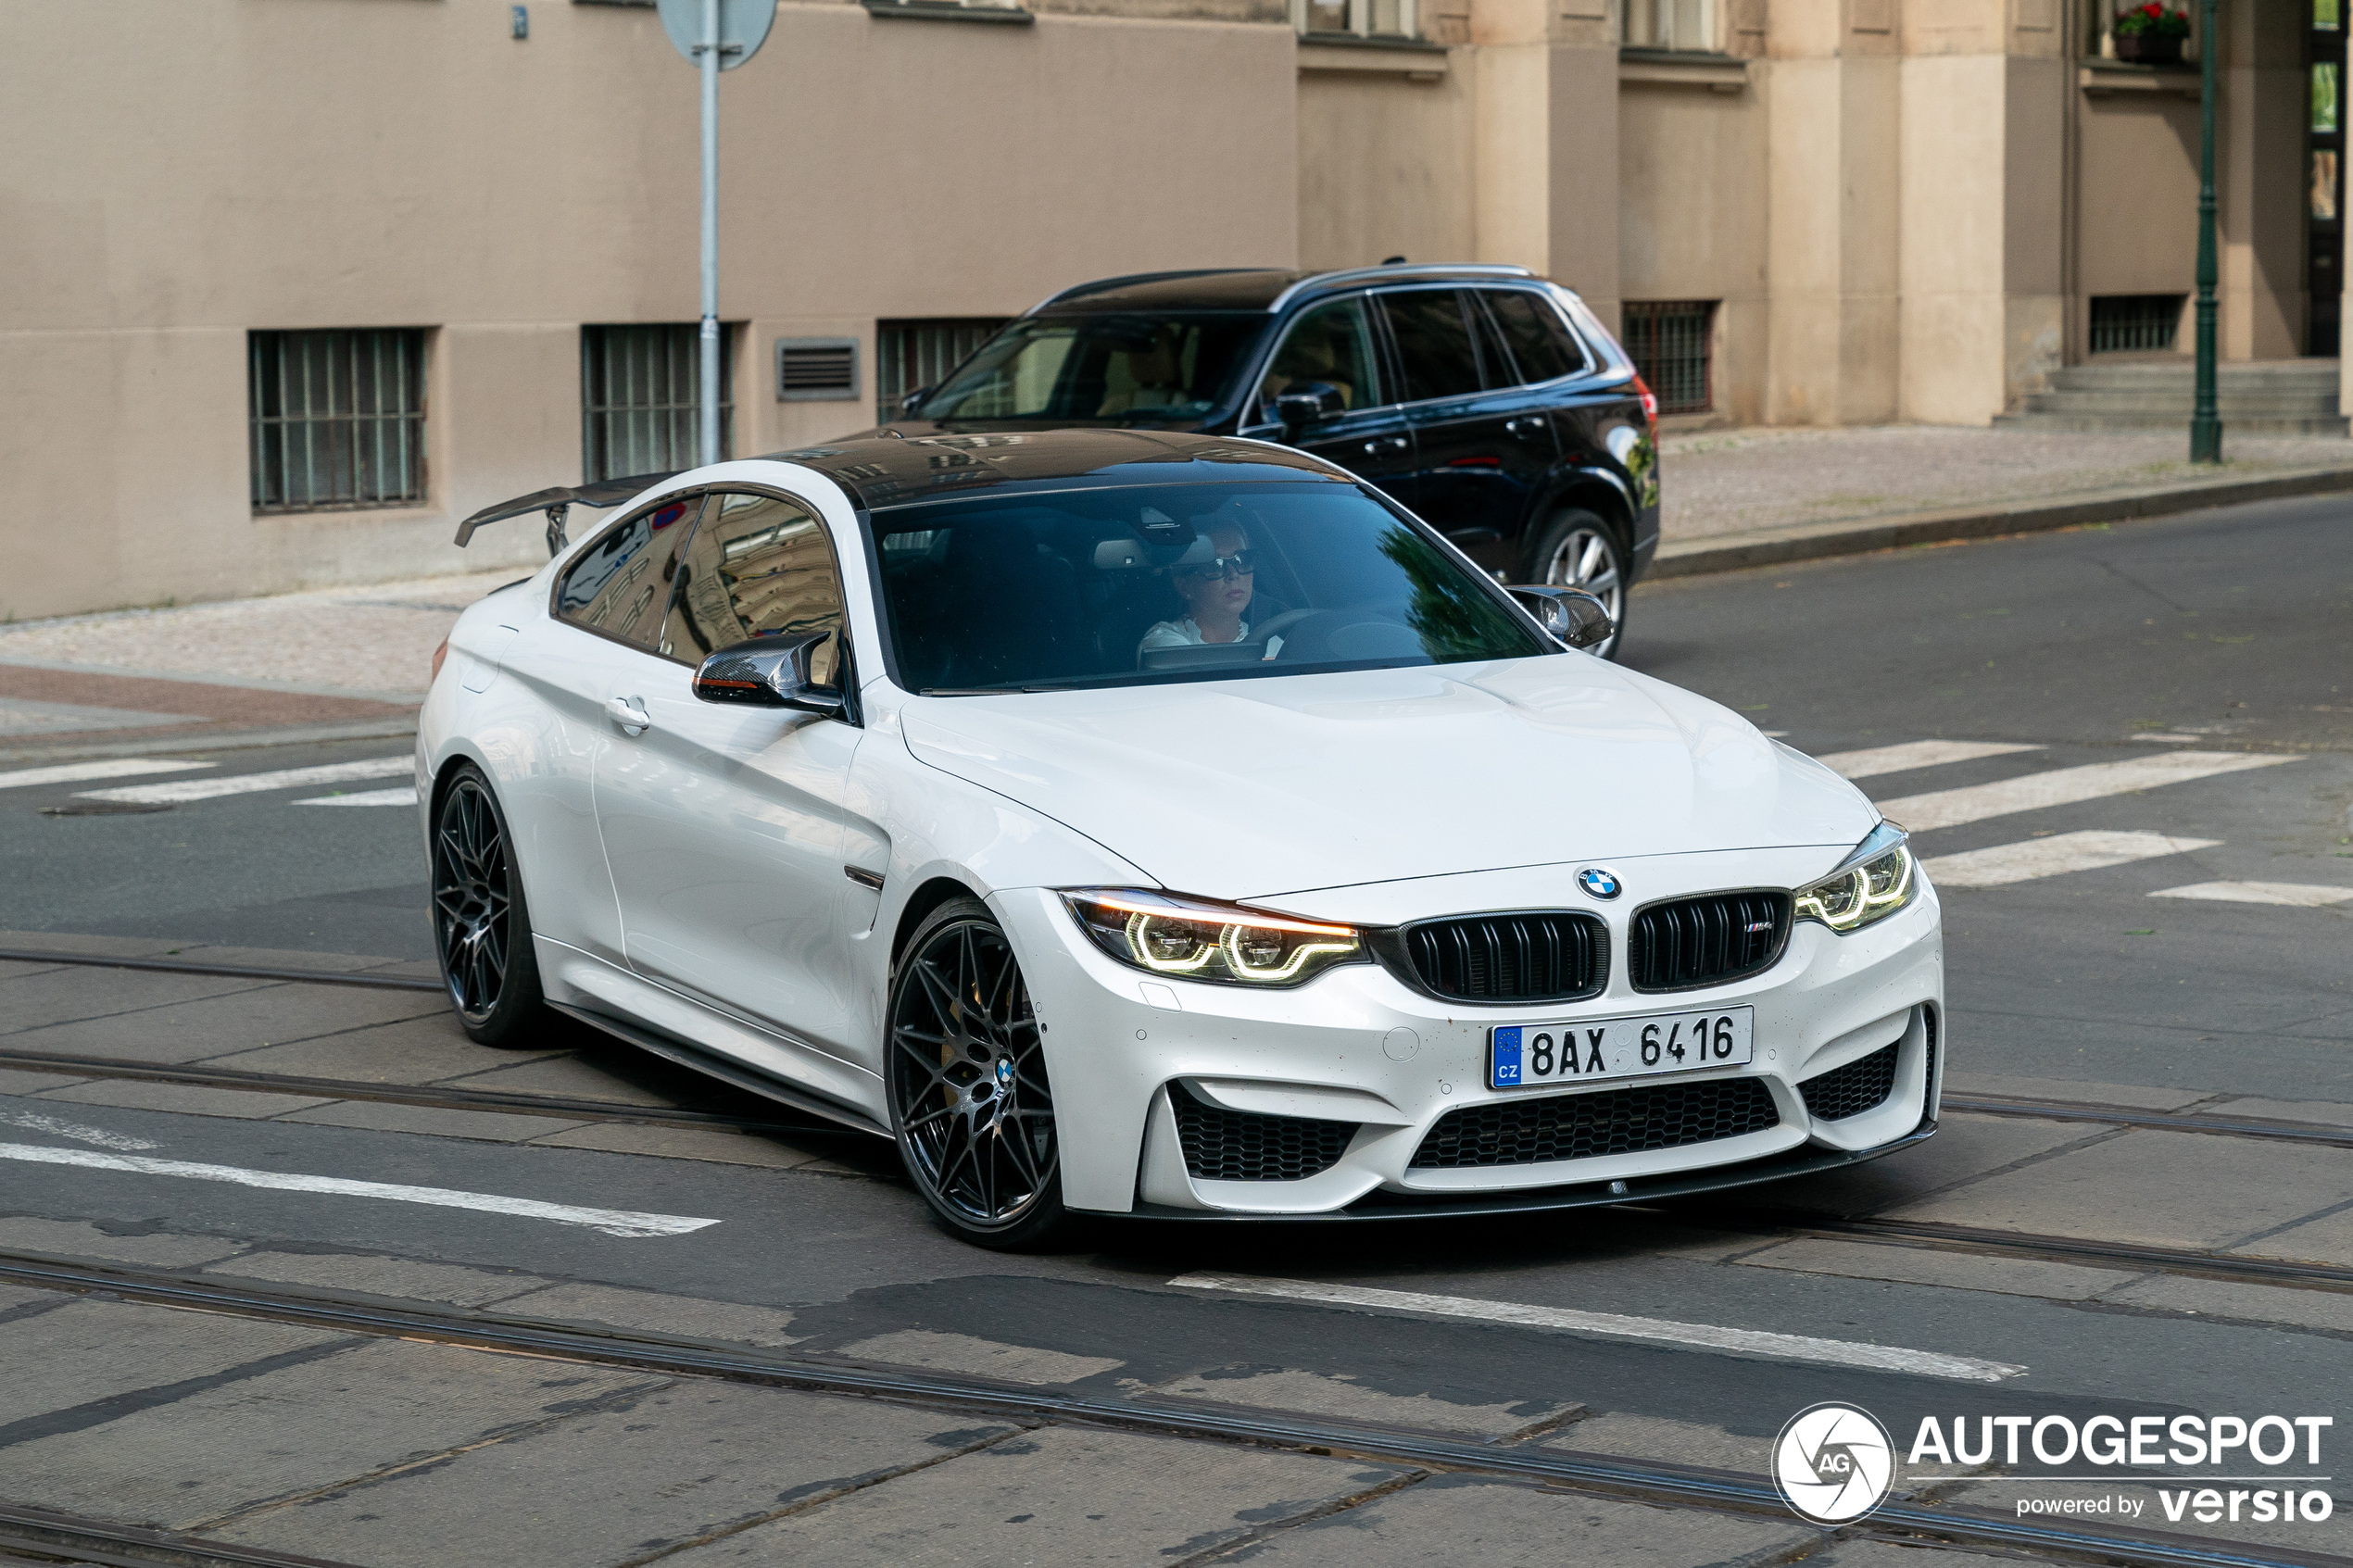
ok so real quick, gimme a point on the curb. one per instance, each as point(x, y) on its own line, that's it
point(1816, 541)
point(218, 740)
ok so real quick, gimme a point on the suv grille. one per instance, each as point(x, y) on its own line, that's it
point(1530, 1132)
point(1541, 955)
point(1706, 940)
point(1240, 1146)
point(1862, 1085)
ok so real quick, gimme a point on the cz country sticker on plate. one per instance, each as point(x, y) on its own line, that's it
point(1528, 1056)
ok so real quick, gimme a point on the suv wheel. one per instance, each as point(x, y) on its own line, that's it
point(1581, 550)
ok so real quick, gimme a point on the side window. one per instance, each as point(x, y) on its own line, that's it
point(760, 566)
point(1433, 342)
point(621, 583)
point(1331, 344)
point(1539, 339)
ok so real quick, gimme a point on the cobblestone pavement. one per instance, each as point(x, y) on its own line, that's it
point(1727, 481)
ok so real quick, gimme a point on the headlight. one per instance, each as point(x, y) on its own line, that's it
point(1878, 879)
point(1193, 939)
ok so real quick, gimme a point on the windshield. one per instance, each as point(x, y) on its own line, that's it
point(1128, 368)
point(1178, 582)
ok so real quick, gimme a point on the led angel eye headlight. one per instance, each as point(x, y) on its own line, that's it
point(1194, 939)
point(1878, 879)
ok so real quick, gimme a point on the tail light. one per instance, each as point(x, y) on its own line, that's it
point(440, 652)
point(1650, 399)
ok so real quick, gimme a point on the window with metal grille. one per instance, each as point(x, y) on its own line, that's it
point(909, 355)
point(1672, 343)
point(2123, 323)
point(641, 397)
point(337, 419)
point(817, 368)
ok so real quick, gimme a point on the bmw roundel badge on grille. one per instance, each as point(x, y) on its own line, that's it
point(1601, 882)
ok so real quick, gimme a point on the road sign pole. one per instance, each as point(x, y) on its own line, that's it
point(710, 356)
point(2206, 421)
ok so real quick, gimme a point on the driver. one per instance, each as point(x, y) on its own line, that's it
point(1216, 580)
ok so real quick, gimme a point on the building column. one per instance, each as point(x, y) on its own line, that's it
point(2259, 179)
point(1545, 143)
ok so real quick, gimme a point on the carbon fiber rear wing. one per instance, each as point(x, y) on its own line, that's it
point(558, 503)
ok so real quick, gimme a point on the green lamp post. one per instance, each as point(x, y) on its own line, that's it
point(2206, 420)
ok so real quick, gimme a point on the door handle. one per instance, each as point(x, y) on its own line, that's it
point(624, 711)
point(1387, 443)
point(1526, 425)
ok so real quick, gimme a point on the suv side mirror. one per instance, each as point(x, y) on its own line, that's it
point(1573, 615)
point(914, 400)
point(1307, 404)
point(768, 672)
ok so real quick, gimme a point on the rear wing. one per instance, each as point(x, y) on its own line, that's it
point(558, 503)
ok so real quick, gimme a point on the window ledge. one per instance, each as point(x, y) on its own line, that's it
point(1409, 58)
point(2099, 78)
point(943, 11)
point(1683, 68)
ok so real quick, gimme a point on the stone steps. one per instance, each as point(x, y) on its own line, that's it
point(2274, 398)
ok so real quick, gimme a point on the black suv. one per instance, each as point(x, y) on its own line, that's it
point(1483, 398)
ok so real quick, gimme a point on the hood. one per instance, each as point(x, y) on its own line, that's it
point(1256, 788)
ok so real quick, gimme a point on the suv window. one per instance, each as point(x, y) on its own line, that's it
point(1116, 369)
point(621, 583)
point(1539, 339)
point(761, 566)
point(1331, 344)
point(1434, 343)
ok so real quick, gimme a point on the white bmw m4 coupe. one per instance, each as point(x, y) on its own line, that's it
point(1129, 823)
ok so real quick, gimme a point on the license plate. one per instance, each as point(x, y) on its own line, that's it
point(1526, 1055)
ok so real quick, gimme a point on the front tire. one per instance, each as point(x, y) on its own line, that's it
point(967, 1074)
point(1581, 550)
point(480, 925)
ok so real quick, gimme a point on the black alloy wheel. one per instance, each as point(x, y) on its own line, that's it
point(481, 928)
point(1581, 550)
point(969, 1099)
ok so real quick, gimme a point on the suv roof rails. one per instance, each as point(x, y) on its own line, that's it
point(1100, 284)
point(1417, 269)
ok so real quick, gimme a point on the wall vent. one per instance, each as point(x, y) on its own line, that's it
point(812, 369)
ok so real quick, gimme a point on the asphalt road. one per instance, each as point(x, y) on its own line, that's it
point(2226, 632)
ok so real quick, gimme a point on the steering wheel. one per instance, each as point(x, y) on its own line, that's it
point(1356, 631)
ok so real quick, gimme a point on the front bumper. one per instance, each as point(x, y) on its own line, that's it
point(1358, 1047)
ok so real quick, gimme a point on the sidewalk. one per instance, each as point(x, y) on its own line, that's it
point(353, 661)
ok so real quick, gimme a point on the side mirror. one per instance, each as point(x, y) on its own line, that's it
point(768, 672)
point(1308, 404)
point(1573, 615)
point(914, 400)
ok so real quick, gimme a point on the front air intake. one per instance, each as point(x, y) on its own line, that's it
point(1243, 1146)
point(1585, 1126)
point(1862, 1085)
point(1716, 937)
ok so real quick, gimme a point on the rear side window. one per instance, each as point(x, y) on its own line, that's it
point(760, 566)
point(1434, 343)
point(1537, 338)
point(621, 583)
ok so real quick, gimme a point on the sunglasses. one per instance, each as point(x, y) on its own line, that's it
point(1241, 563)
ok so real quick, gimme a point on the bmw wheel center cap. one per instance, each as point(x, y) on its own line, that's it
point(1601, 882)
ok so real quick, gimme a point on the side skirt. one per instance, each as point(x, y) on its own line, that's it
point(726, 1071)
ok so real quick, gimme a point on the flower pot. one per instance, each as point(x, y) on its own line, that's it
point(2148, 49)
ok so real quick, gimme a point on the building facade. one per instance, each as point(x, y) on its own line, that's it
point(295, 285)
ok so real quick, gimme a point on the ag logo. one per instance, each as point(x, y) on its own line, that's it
point(1833, 1463)
point(1601, 882)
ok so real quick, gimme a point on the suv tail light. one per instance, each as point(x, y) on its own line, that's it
point(1650, 399)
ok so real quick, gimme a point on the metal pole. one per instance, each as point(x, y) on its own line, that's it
point(709, 354)
point(2206, 422)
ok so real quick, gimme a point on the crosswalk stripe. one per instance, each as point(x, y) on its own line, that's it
point(2055, 856)
point(81, 773)
point(180, 791)
point(1914, 754)
point(2300, 894)
point(2066, 786)
point(399, 795)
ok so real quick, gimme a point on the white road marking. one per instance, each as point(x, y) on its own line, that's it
point(1913, 753)
point(2062, 786)
point(1788, 1346)
point(183, 790)
point(2299, 894)
point(80, 772)
point(2055, 856)
point(74, 1130)
point(612, 1221)
point(399, 795)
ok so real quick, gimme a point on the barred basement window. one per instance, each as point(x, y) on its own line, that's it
point(914, 354)
point(641, 397)
point(337, 419)
point(2124, 323)
point(1672, 343)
